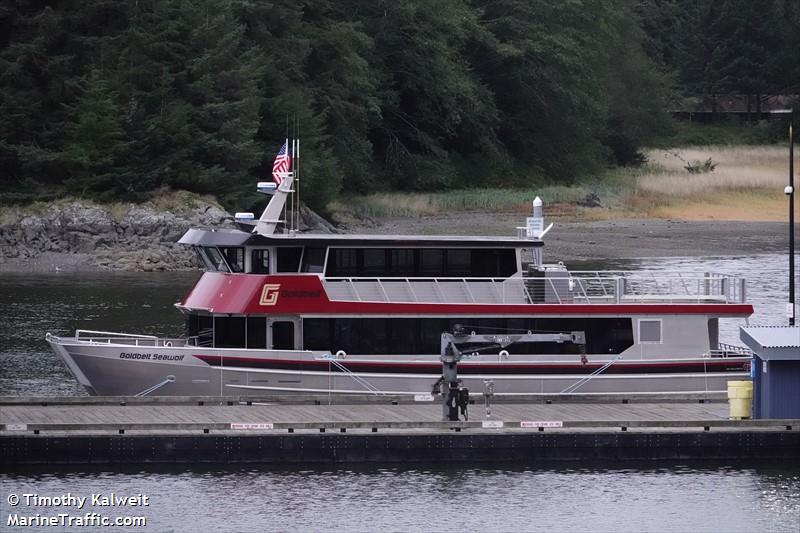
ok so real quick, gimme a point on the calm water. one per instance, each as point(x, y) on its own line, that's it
point(696, 497)
point(674, 498)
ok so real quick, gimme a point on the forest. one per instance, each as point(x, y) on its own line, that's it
point(116, 99)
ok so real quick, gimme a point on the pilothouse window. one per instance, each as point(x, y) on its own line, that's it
point(259, 262)
point(289, 259)
point(234, 257)
point(313, 260)
point(217, 260)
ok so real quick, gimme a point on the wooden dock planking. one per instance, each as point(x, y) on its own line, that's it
point(603, 414)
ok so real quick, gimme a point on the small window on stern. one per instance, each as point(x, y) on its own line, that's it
point(650, 332)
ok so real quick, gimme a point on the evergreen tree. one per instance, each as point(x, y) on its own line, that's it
point(96, 150)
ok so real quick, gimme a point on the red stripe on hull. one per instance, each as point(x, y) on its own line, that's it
point(466, 367)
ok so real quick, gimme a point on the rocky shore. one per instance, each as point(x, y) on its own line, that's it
point(83, 236)
point(79, 235)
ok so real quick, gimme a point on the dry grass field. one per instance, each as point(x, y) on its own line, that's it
point(746, 184)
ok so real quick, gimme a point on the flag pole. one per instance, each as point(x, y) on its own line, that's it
point(288, 205)
point(297, 173)
point(291, 194)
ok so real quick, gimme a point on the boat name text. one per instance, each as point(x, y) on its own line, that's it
point(151, 356)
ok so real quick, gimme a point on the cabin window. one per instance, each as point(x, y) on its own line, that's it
point(234, 257)
point(650, 332)
point(346, 336)
point(343, 262)
point(374, 336)
point(373, 262)
point(431, 262)
point(314, 260)
point(289, 259)
point(205, 330)
point(458, 263)
point(257, 332)
point(488, 264)
point(259, 262)
point(229, 332)
point(283, 335)
point(402, 262)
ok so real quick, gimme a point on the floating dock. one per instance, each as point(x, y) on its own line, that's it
point(313, 429)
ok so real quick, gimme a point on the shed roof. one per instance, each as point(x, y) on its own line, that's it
point(773, 342)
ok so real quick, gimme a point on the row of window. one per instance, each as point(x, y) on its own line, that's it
point(421, 262)
point(367, 262)
point(410, 336)
point(240, 332)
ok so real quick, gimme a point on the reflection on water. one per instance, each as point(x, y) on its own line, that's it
point(642, 498)
point(143, 303)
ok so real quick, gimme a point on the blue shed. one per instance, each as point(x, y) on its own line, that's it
point(776, 370)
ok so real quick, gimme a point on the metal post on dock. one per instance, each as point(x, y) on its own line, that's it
point(790, 192)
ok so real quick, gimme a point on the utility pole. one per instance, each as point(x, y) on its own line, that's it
point(790, 192)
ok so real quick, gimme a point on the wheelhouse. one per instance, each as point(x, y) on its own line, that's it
point(350, 256)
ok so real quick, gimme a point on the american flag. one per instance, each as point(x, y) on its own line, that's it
point(282, 163)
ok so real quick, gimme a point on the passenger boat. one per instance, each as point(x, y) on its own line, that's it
point(280, 311)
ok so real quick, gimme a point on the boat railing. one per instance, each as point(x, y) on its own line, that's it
point(730, 350)
point(427, 290)
point(553, 287)
point(111, 337)
point(662, 287)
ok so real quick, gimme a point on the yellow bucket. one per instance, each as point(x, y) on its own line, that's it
point(740, 399)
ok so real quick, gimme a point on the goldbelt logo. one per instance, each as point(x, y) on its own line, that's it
point(269, 294)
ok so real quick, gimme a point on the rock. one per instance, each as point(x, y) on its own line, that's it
point(312, 222)
point(590, 200)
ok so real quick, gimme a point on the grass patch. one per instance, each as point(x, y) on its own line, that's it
point(746, 183)
point(739, 168)
point(391, 205)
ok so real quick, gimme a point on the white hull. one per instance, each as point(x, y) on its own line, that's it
point(125, 370)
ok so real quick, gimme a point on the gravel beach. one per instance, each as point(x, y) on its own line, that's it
point(607, 239)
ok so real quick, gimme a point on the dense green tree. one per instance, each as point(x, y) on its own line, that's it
point(96, 148)
point(640, 92)
point(113, 98)
point(720, 47)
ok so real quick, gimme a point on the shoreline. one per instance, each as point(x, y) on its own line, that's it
point(624, 238)
point(567, 241)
